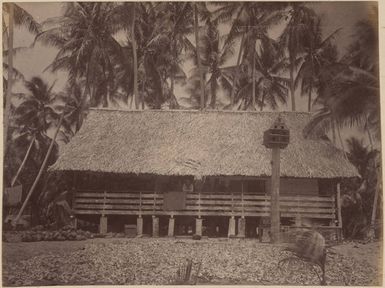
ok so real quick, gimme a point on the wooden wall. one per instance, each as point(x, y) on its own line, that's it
point(302, 186)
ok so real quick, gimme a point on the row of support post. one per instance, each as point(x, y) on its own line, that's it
point(171, 226)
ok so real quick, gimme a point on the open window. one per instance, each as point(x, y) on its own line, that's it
point(254, 186)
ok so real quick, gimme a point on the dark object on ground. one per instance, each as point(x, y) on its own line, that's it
point(196, 237)
point(184, 274)
point(66, 233)
point(309, 246)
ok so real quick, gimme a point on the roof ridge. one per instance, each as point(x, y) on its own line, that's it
point(104, 109)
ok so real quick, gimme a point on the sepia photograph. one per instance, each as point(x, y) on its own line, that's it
point(191, 143)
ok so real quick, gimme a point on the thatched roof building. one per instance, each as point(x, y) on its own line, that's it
point(197, 143)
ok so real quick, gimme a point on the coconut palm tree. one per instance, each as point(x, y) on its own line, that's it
point(19, 17)
point(198, 57)
point(77, 107)
point(297, 30)
point(155, 41)
point(362, 78)
point(84, 37)
point(177, 17)
point(41, 113)
point(251, 21)
point(34, 117)
point(317, 53)
point(271, 86)
point(214, 55)
point(368, 165)
point(327, 117)
point(126, 18)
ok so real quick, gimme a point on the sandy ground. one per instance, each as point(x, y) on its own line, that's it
point(15, 254)
point(371, 253)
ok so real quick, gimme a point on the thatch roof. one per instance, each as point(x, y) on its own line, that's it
point(196, 143)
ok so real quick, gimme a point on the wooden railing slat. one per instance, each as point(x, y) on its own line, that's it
point(233, 204)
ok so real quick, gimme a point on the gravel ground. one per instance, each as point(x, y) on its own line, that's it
point(156, 261)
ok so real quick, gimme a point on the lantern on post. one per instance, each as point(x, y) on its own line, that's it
point(276, 138)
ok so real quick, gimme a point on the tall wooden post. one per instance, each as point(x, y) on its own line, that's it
point(275, 181)
point(339, 215)
point(275, 138)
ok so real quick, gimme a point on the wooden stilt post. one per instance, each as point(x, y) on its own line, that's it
point(155, 226)
point(339, 215)
point(198, 226)
point(139, 225)
point(231, 231)
point(103, 219)
point(103, 224)
point(274, 212)
point(242, 227)
point(171, 226)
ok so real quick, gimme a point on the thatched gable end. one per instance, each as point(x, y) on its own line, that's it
point(196, 143)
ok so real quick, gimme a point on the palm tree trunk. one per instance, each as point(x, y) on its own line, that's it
point(374, 211)
point(135, 57)
point(309, 99)
point(263, 100)
point(235, 78)
point(213, 93)
point(292, 88)
point(175, 56)
point(333, 131)
point(107, 95)
point(87, 88)
point(24, 161)
point(5, 34)
point(172, 82)
point(142, 95)
point(202, 106)
point(40, 172)
point(369, 134)
point(253, 76)
point(341, 142)
point(10, 78)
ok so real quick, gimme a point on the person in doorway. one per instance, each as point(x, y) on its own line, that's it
point(188, 186)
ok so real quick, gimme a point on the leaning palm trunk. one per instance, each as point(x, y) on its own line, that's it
point(10, 78)
point(369, 134)
point(213, 93)
point(40, 172)
point(253, 76)
point(263, 101)
point(175, 57)
point(235, 77)
point(309, 97)
point(135, 58)
point(292, 88)
point(333, 131)
point(24, 161)
point(202, 106)
point(341, 142)
point(374, 211)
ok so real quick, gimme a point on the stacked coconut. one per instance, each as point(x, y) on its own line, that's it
point(65, 233)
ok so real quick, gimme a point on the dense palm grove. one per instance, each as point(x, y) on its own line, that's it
point(134, 56)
